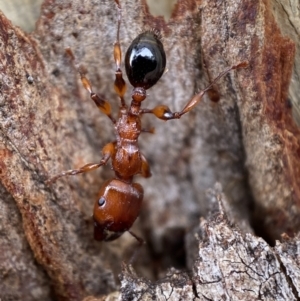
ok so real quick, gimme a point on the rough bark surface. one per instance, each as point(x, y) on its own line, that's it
point(230, 266)
point(248, 142)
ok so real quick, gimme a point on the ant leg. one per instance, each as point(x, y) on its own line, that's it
point(150, 131)
point(107, 151)
point(163, 112)
point(72, 172)
point(100, 102)
point(145, 169)
point(119, 84)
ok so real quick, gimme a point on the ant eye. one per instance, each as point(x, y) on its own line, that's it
point(145, 60)
point(101, 201)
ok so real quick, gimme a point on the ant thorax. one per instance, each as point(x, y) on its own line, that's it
point(128, 127)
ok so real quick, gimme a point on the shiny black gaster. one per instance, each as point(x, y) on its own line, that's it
point(145, 60)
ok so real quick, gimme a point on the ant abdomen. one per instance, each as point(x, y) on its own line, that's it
point(145, 60)
point(117, 207)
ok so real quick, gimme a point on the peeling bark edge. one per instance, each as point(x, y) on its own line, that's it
point(56, 276)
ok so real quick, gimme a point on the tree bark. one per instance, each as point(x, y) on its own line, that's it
point(248, 142)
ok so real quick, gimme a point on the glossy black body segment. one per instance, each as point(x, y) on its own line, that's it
point(145, 60)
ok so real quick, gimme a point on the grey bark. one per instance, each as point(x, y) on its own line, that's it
point(248, 142)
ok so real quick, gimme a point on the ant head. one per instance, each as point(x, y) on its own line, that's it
point(117, 207)
point(145, 60)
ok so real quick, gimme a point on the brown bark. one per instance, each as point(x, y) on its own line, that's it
point(230, 266)
point(247, 141)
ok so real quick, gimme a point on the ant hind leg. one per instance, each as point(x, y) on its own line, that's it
point(102, 104)
point(163, 112)
point(119, 84)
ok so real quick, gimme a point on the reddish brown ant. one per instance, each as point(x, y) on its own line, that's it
point(119, 200)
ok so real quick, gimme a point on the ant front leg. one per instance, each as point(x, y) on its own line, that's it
point(107, 151)
point(145, 169)
point(163, 112)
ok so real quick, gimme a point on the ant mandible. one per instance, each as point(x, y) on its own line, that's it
point(119, 200)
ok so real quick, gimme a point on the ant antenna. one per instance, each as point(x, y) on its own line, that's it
point(138, 248)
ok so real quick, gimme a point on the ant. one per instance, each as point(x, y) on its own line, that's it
point(119, 200)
